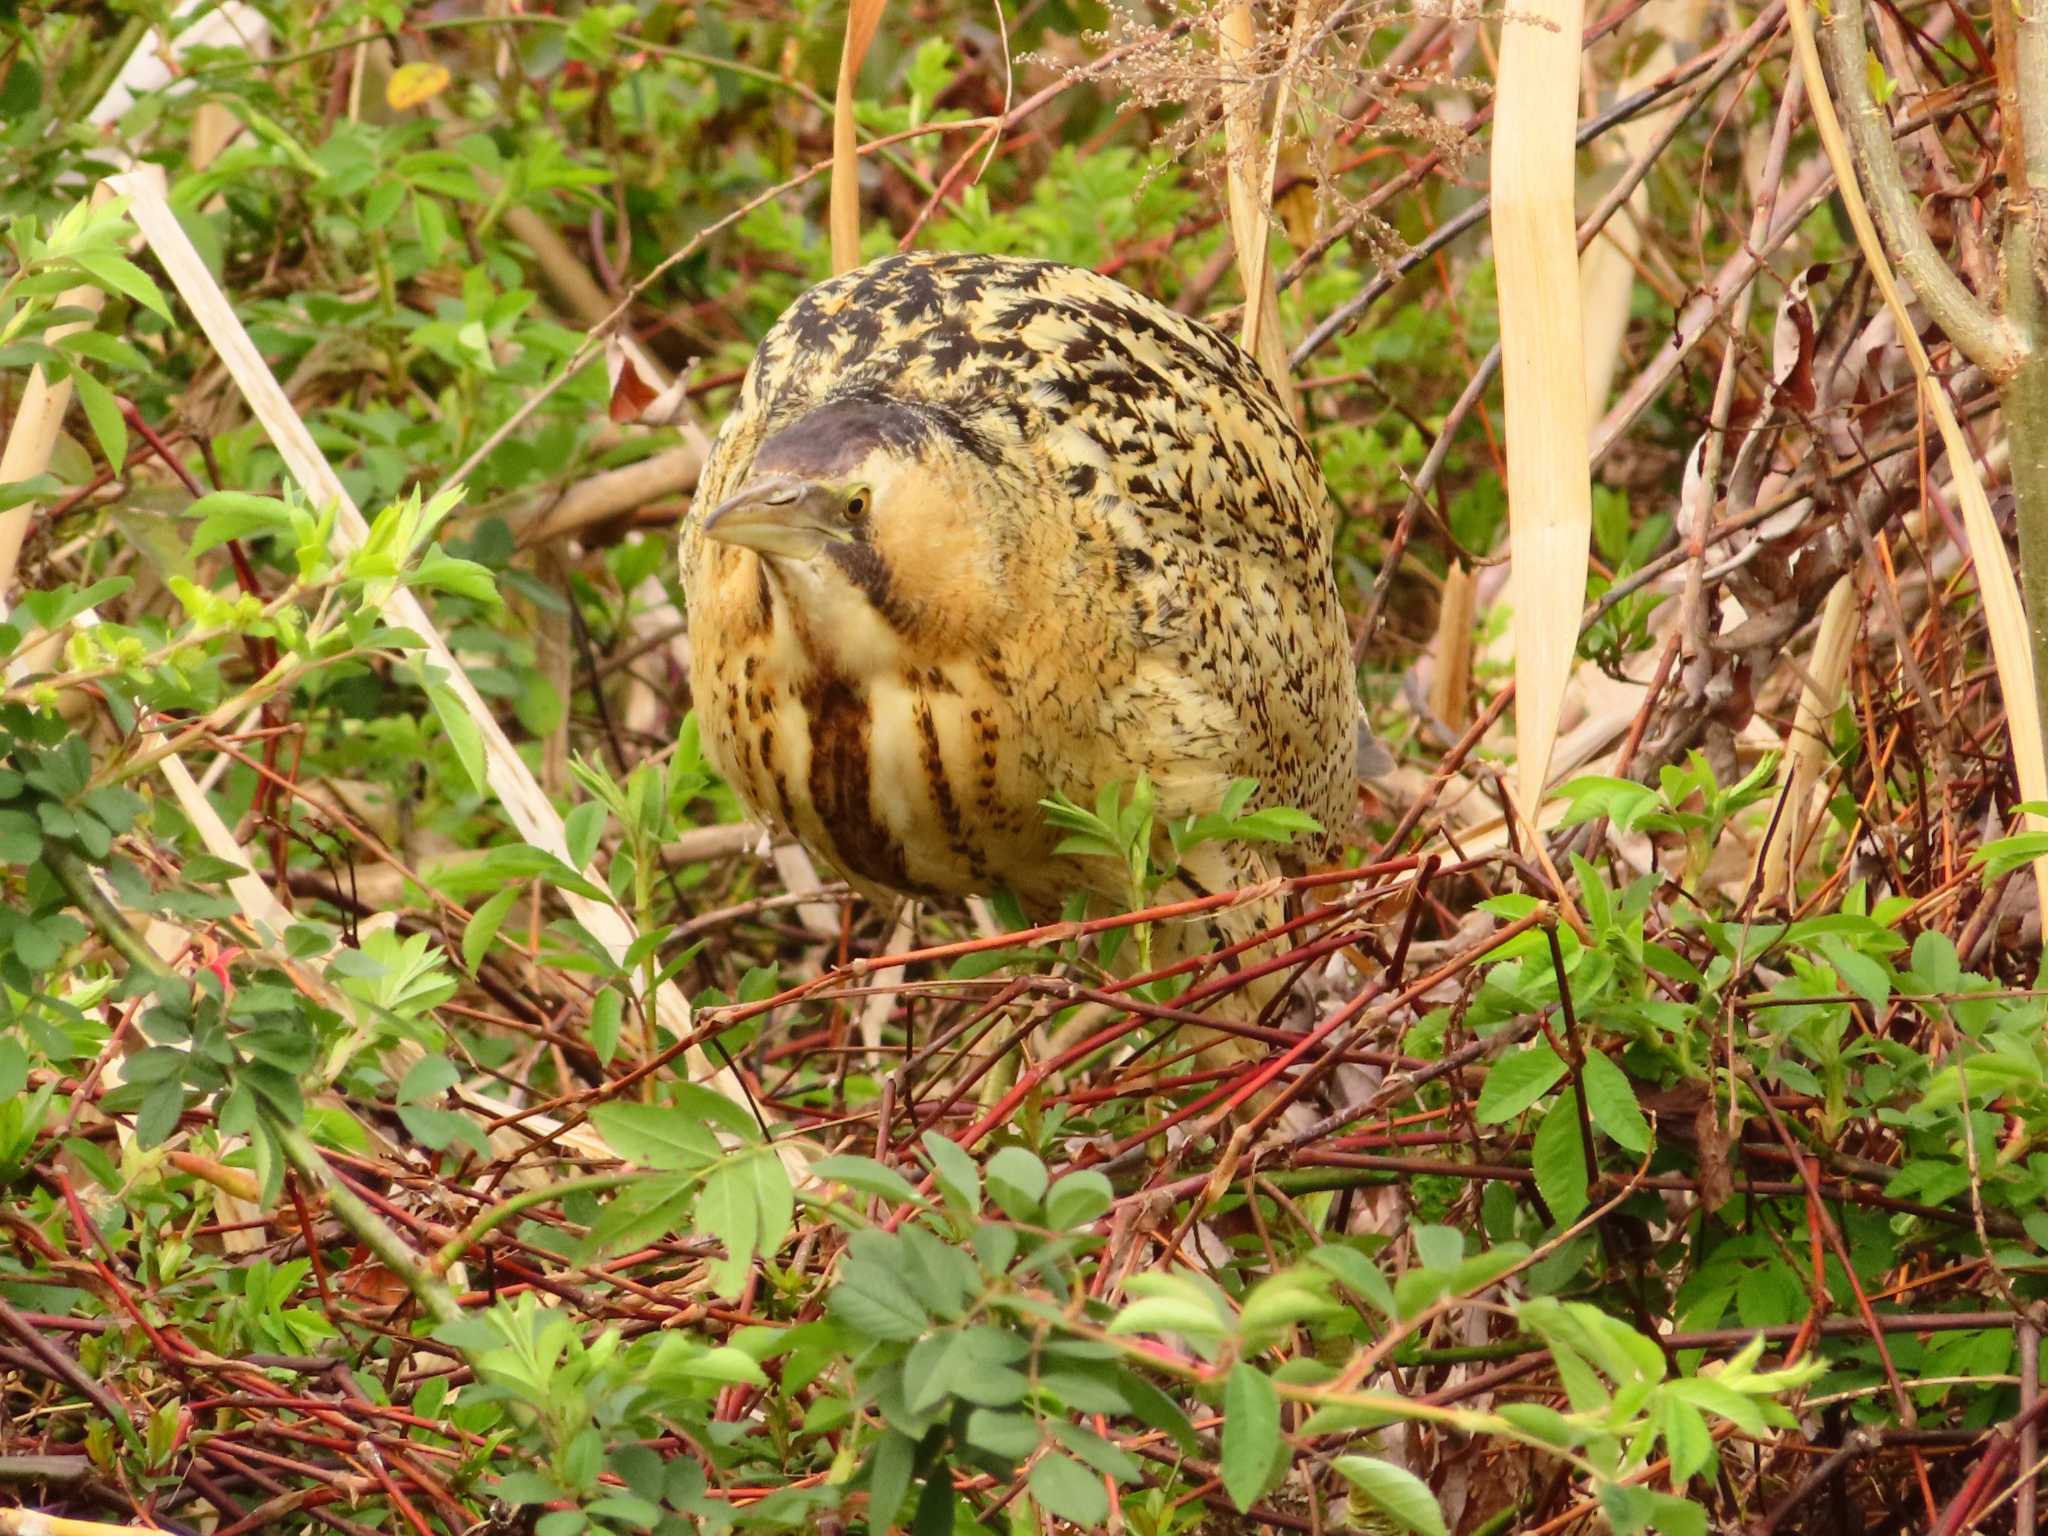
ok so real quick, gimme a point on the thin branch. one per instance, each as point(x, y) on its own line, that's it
point(1978, 333)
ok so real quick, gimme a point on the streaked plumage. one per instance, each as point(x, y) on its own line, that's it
point(986, 529)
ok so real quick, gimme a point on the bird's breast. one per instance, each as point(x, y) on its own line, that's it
point(903, 773)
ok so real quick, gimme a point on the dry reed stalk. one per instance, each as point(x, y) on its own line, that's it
point(33, 437)
point(1607, 271)
point(1536, 263)
point(862, 17)
point(525, 804)
point(1249, 167)
point(2011, 646)
point(1450, 685)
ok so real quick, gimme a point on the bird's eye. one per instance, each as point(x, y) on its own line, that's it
point(857, 505)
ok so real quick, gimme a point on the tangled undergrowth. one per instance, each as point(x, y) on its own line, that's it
point(368, 1166)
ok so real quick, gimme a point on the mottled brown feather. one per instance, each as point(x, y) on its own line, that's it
point(1105, 550)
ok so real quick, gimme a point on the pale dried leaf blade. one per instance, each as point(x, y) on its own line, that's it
point(1806, 742)
point(525, 804)
point(1536, 264)
point(862, 17)
point(2004, 615)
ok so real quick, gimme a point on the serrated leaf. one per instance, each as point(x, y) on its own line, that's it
point(1545, 1423)
point(1010, 1435)
point(1168, 1314)
point(1558, 1154)
point(1517, 1081)
point(1861, 974)
point(656, 1136)
point(1611, 1101)
point(875, 1303)
point(1357, 1274)
point(607, 1021)
point(1711, 1396)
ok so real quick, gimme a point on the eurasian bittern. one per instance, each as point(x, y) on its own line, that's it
point(981, 530)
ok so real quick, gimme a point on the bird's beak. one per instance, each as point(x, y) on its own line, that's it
point(776, 515)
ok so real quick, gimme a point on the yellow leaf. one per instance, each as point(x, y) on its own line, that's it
point(414, 84)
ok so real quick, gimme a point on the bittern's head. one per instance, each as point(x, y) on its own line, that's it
point(872, 507)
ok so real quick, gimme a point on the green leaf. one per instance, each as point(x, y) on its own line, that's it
point(483, 926)
point(225, 515)
point(972, 1364)
point(1558, 1155)
point(1515, 1082)
point(1078, 1199)
point(13, 1069)
point(1861, 974)
point(958, 1179)
point(14, 492)
point(1542, 1421)
point(1157, 1410)
point(1169, 1314)
point(1395, 1492)
point(118, 274)
point(158, 1115)
point(1935, 961)
point(749, 1205)
point(506, 863)
point(1016, 1181)
point(1622, 801)
point(1012, 1436)
point(1357, 1274)
point(889, 1466)
point(1704, 1393)
point(463, 733)
point(876, 1304)
point(607, 1020)
point(582, 827)
point(655, 1136)
point(1112, 1461)
point(103, 412)
point(1067, 1490)
point(1686, 1439)
point(867, 1176)
point(428, 1078)
point(1251, 1432)
point(1611, 1101)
